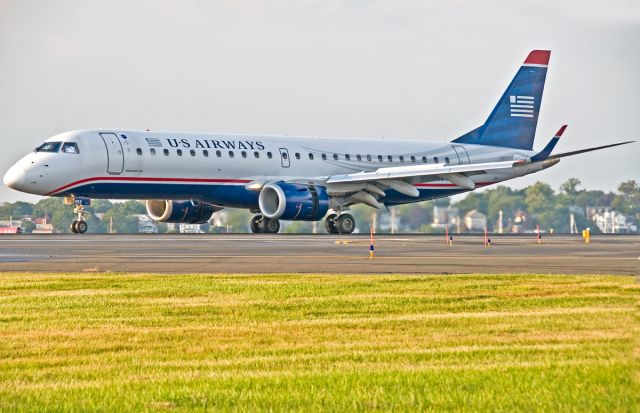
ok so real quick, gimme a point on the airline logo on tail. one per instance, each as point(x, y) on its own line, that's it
point(521, 106)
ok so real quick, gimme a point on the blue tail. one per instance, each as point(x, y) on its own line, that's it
point(512, 123)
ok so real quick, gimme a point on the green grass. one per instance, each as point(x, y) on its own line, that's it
point(127, 342)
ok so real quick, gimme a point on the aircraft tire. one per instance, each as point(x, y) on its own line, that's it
point(74, 227)
point(345, 224)
point(330, 224)
point(255, 224)
point(271, 226)
point(82, 227)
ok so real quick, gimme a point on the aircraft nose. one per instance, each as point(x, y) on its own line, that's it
point(15, 178)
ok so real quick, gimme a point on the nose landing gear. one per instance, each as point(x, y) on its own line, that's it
point(80, 226)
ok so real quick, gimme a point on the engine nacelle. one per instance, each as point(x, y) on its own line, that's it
point(180, 212)
point(295, 202)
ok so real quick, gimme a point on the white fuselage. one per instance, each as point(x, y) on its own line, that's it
point(219, 168)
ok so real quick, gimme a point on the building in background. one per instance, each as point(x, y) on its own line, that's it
point(146, 224)
point(475, 221)
point(42, 226)
point(611, 222)
point(446, 217)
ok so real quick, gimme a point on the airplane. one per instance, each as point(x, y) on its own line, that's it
point(186, 177)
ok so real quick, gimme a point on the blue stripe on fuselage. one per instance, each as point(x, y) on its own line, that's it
point(232, 196)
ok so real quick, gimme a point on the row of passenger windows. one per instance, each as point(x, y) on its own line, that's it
point(297, 155)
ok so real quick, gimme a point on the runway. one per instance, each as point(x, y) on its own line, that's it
point(261, 253)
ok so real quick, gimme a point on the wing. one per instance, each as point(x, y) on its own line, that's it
point(366, 187)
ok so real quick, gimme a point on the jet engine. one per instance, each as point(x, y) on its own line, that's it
point(183, 212)
point(295, 202)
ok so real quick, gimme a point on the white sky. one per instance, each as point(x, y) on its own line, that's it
point(400, 69)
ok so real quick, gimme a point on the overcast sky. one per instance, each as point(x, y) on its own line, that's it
point(429, 70)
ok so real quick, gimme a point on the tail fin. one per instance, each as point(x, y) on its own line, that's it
point(513, 121)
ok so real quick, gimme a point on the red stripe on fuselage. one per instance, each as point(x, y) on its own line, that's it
point(139, 179)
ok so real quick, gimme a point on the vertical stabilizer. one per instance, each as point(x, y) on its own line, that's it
point(513, 121)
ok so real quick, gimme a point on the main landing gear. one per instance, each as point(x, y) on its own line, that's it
point(340, 224)
point(260, 223)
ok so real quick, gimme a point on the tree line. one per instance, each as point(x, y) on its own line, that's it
point(539, 202)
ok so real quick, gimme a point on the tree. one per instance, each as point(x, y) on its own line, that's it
point(555, 218)
point(474, 200)
point(27, 226)
point(131, 207)
point(628, 199)
point(569, 192)
point(100, 206)
point(539, 198)
point(505, 199)
point(570, 187)
point(122, 224)
point(16, 210)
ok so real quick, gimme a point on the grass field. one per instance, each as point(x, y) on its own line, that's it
point(120, 342)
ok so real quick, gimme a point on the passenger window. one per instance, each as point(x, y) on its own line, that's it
point(230, 154)
point(379, 158)
point(152, 151)
point(139, 151)
point(284, 155)
point(256, 154)
point(166, 152)
point(179, 152)
point(192, 152)
point(311, 156)
point(70, 147)
point(335, 156)
point(218, 154)
point(401, 158)
point(390, 158)
point(269, 155)
point(358, 157)
point(324, 156)
point(435, 159)
point(413, 158)
point(244, 154)
point(446, 159)
point(424, 159)
point(297, 155)
point(347, 156)
point(49, 147)
point(205, 153)
point(369, 158)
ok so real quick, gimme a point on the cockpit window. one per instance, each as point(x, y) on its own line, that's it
point(70, 147)
point(49, 147)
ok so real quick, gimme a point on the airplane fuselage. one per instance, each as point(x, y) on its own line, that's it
point(218, 168)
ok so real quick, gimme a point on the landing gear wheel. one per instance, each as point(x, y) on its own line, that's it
point(82, 227)
point(345, 224)
point(270, 226)
point(255, 224)
point(79, 225)
point(330, 224)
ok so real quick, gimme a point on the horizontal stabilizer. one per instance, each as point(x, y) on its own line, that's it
point(564, 154)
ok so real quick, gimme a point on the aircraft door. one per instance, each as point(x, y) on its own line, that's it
point(115, 154)
point(284, 158)
point(463, 156)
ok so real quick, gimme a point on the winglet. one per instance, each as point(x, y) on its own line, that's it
point(544, 154)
